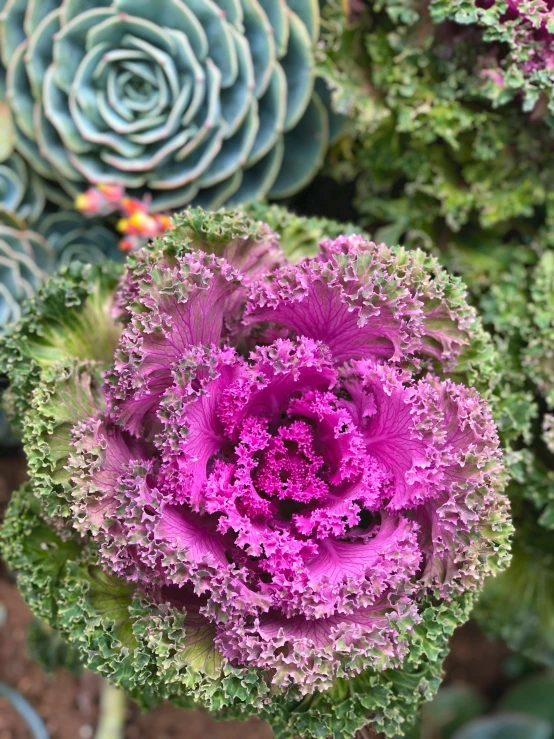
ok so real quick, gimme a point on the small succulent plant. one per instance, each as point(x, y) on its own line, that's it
point(73, 237)
point(25, 260)
point(29, 253)
point(212, 101)
point(36, 235)
point(22, 198)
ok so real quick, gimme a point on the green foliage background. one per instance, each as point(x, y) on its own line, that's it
point(447, 159)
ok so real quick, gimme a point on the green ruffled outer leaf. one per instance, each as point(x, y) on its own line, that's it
point(119, 632)
point(70, 317)
point(525, 36)
point(222, 232)
point(299, 236)
point(388, 700)
point(68, 392)
point(32, 548)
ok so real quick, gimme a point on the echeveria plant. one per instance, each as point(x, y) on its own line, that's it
point(29, 254)
point(25, 260)
point(35, 236)
point(209, 101)
point(256, 486)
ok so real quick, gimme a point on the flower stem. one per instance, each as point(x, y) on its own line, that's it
point(113, 705)
point(25, 710)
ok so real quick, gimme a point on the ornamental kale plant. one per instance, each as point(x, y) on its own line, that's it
point(442, 163)
point(520, 34)
point(209, 101)
point(256, 486)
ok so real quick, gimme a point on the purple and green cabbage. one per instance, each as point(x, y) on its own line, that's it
point(266, 487)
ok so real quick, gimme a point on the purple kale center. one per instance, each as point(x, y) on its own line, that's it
point(277, 460)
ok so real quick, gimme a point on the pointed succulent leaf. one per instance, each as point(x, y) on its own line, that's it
point(21, 191)
point(73, 237)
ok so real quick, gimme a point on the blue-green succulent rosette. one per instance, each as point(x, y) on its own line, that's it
point(204, 101)
point(38, 234)
point(29, 254)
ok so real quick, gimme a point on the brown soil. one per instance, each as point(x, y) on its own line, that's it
point(69, 705)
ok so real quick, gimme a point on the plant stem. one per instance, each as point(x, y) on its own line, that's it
point(25, 710)
point(113, 710)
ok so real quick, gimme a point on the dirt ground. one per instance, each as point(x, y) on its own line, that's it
point(69, 705)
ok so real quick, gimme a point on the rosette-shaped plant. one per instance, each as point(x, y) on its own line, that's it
point(521, 308)
point(22, 198)
point(441, 164)
point(283, 496)
point(33, 239)
point(208, 101)
point(74, 237)
point(28, 256)
point(25, 261)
